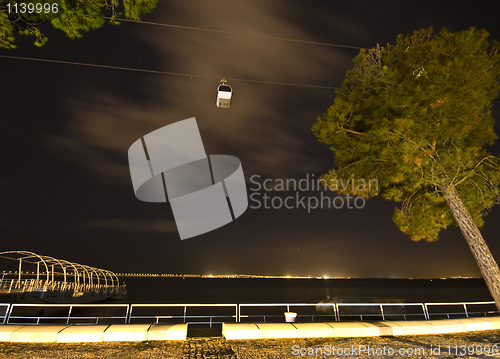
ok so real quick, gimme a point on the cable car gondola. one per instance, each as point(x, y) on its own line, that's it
point(224, 94)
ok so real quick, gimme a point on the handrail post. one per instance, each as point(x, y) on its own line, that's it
point(382, 311)
point(69, 313)
point(7, 311)
point(465, 308)
point(20, 268)
point(128, 314)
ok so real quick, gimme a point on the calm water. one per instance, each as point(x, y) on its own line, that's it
point(218, 290)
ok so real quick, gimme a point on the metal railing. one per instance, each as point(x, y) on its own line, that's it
point(185, 316)
point(383, 314)
point(378, 311)
point(466, 309)
point(65, 314)
point(4, 314)
point(265, 317)
point(210, 314)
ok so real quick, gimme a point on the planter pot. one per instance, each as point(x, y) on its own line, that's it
point(290, 317)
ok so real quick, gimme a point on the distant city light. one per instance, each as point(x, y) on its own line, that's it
point(242, 276)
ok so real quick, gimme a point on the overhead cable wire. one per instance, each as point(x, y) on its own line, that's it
point(250, 35)
point(164, 72)
point(237, 33)
point(172, 73)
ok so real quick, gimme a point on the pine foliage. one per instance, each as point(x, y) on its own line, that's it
point(416, 117)
point(73, 17)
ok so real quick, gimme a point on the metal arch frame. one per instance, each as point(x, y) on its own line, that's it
point(85, 267)
point(31, 255)
point(101, 274)
point(47, 261)
point(83, 271)
point(116, 277)
point(75, 269)
point(111, 275)
point(52, 261)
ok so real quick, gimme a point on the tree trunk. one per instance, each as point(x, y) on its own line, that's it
point(479, 248)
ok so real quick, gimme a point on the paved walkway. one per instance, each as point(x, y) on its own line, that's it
point(357, 329)
point(239, 331)
point(91, 333)
point(477, 344)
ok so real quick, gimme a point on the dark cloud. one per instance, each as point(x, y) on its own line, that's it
point(158, 225)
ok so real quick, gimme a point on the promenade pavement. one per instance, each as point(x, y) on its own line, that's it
point(239, 331)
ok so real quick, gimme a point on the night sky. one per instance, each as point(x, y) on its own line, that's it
point(65, 131)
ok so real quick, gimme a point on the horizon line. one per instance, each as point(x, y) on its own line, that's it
point(132, 274)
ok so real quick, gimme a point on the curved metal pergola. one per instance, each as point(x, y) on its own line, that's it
point(86, 273)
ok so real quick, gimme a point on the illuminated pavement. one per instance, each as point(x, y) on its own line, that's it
point(239, 331)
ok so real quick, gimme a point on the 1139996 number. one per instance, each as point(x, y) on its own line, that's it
point(30, 8)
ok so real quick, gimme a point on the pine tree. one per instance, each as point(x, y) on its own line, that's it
point(416, 117)
point(71, 16)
